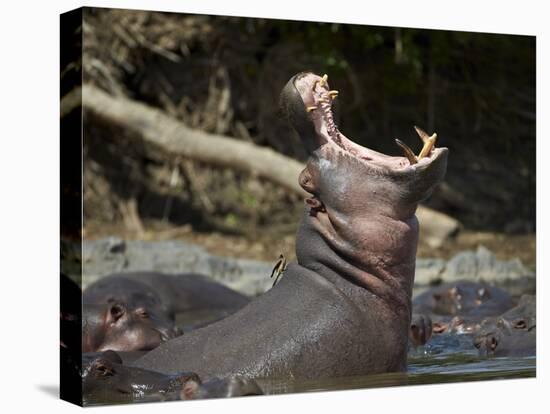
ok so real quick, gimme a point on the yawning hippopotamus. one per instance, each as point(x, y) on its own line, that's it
point(344, 308)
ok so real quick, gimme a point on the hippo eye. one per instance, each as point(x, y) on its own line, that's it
point(520, 324)
point(117, 311)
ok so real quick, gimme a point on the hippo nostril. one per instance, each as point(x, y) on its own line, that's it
point(142, 312)
point(493, 343)
point(520, 324)
point(167, 334)
point(190, 383)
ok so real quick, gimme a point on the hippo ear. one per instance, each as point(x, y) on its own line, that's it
point(116, 311)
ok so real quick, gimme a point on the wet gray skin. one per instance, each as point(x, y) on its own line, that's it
point(463, 298)
point(115, 327)
point(507, 343)
point(344, 308)
point(511, 334)
point(106, 379)
point(163, 294)
point(166, 294)
point(521, 317)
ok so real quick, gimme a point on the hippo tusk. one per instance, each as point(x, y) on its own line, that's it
point(407, 151)
point(311, 108)
point(324, 80)
point(323, 100)
point(333, 94)
point(422, 134)
point(429, 142)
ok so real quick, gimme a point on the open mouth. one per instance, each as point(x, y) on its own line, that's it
point(318, 98)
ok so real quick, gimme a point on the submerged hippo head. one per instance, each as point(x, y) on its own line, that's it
point(116, 327)
point(363, 202)
point(503, 342)
point(510, 333)
point(420, 330)
point(464, 298)
point(106, 379)
point(232, 386)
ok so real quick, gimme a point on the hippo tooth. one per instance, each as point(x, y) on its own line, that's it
point(323, 80)
point(333, 94)
point(421, 133)
point(429, 142)
point(407, 151)
point(323, 100)
point(311, 108)
point(427, 148)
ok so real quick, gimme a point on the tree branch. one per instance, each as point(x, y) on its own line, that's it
point(171, 136)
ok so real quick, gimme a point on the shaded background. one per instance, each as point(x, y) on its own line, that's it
point(223, 75)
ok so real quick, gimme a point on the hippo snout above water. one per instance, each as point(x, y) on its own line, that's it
point(344, 308)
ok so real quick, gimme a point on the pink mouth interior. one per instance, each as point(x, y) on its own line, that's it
point(315, 93)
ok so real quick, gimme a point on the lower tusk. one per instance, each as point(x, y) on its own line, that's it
point(311, 108)
point(333, 94)
point(407, 151)
point(323, 100)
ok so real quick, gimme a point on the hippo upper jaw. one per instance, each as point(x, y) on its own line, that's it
point(307, 101)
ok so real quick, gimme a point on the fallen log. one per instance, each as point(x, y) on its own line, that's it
point(172, 137)
point(156, 128)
